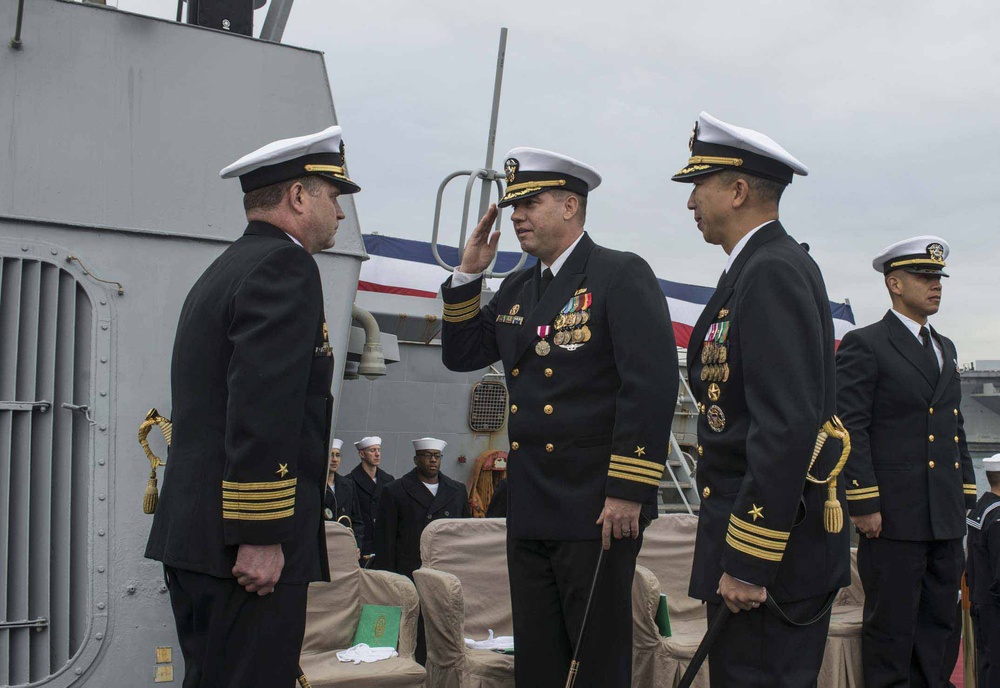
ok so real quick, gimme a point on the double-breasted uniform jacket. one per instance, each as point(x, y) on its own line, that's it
point(761, 367)
point(342, 500)
point(369, 491)
point(251, 407)
point(909, 459)
point(404, 510)
point(589, 418)
point(983, 567)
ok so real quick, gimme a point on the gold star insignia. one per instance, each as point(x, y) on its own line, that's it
point(282, 470)
point(640, 451)
point(855, 483)
point(756, 512)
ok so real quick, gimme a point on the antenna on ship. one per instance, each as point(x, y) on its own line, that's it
point(487, 176)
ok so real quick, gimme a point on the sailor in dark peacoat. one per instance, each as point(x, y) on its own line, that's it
point(369, 491)
point(910, 476)
point(983, 572)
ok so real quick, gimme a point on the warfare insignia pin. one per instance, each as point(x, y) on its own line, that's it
point(282, 470)
point(716, 418)
point(724, 312)
point(515, 309)
point(756, 512)
point(510, 169)
point(326, 333)
point(580, 291)
point(714, 392)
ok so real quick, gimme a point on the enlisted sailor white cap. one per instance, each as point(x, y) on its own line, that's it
point(923, 254)
point(336, 444)
point(992, 464)
point(366, 442)
point(530, 171)
point(321, 154)
point(716, 145)
point(429, 443)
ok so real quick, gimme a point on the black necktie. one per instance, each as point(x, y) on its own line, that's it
point(925, 337)
point(546, 281)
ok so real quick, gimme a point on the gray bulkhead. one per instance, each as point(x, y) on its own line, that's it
point(114, 129)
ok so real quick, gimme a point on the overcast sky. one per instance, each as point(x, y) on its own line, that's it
point(893, 106)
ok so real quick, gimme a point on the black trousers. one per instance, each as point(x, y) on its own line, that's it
point(232, 638)
point(986, 624)
point(549, 585)
point(911, 589)
point(756, 649)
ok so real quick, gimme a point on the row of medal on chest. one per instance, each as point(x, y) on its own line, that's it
point(571, 328)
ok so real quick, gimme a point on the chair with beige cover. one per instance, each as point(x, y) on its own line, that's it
point(333, 612)
point(668, 552)
point(464, 593)
point(842, 661)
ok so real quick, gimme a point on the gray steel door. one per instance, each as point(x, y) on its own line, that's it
point(54, 351)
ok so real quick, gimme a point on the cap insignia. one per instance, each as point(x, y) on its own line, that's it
point(510, 169)
point(343, 153)
point(694, 137)
point(936, 252)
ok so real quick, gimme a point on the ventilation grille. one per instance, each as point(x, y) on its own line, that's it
point(489, 406)
point(45, 474)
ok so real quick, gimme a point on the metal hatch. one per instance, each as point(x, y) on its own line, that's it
point(55, 350)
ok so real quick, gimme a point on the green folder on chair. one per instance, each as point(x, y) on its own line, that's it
point(379, 626)
point(663, 617)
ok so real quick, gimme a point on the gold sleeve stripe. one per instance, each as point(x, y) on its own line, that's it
point(862, 490)
point(641, 463)
point(859, 497)
point(474, 308)
point(270, 516)
point(254, 506)
point(258, 496)
point(634, 478)
point(969, 486)
point(753, 551)
point(470, 316)
point(750, 539)
point(758, 530)
point(458, 306)
point(275, 485)
point(637, 471)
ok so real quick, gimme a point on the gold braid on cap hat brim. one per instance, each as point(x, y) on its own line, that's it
point(714, 160)
point(833, 514)
point(326, 168)
point(534, 186)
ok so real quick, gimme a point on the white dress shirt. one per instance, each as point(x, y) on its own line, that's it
point(459, 278)
point(743, 242)
point(914, 327)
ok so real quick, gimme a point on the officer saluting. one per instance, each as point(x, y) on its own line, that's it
point(761, 366)
point(239, 526)
point(910, 476)
point(590, 360)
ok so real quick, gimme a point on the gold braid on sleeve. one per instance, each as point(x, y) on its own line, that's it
point(152, 495)
point(833, 513)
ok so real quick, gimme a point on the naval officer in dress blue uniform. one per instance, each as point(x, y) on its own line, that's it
point(910, 476)
point(591, 366)
point(761, 367)
point(239, 527)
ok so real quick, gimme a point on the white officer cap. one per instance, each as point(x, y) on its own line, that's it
point(716, 145)
point(320, 154)
point(429, 443)
point(992, 464)
point(366, 442)
point(336, 444)
point(923, 254)
point(530, 171)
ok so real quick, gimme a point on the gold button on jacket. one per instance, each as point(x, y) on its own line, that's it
point(548, 372)
point(548, 409)
point(513, 408)
point(515, 445)
point(931, 464)
point(515, 372)
point(550, 448)
point(706, 493)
